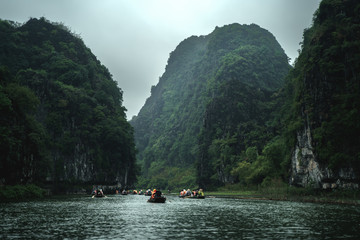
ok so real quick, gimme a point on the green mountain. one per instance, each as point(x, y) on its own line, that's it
point(228, 110)
point(217, 90)
point(324, 100)
point(62, 119)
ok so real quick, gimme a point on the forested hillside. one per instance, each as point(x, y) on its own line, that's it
point(217, 90)
point(323, 92)
point(227, 110)
point(307, 133)
point(61, 113)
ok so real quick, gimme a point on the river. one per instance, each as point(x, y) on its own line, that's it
point(132, 217)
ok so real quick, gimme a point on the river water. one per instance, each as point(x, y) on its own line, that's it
point(132, 217)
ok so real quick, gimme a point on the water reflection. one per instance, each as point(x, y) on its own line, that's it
point(131, 217)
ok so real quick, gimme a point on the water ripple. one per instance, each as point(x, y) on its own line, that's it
point(131, 217)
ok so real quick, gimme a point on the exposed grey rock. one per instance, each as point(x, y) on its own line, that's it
point(306, 171)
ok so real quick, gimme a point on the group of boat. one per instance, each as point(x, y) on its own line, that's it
point(135, 192)
point(198, 194)
point(98, 193)
point(156, 196)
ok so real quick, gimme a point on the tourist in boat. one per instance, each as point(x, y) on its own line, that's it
point(201, 192)
point(158, 193)
point(153, 193)
point(101, 193)
point(183, 193)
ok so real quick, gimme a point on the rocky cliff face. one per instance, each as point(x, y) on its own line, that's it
point(306, 171)
point(79, 167)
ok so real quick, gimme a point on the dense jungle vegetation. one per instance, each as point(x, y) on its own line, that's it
point(323, 90)
point(61, 113)
point(227, 80)
point(226, 112)
point(228, 107)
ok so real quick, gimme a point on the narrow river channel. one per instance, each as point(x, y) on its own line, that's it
point(131, 217)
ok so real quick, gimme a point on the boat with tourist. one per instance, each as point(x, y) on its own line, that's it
point(156, 197)
point(98, 193)
point(148, 192)
point(196, 194)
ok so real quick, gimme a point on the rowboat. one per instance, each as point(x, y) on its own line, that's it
point(157, 199)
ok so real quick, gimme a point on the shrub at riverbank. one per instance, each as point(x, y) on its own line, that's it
point(20, 192)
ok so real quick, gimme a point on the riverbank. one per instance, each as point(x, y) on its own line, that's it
point(21, 192)
point(289, 193)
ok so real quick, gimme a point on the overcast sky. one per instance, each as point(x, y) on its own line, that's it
point(133, 38)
